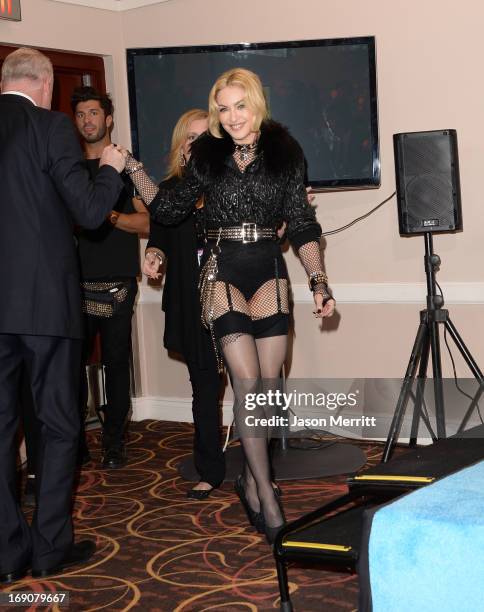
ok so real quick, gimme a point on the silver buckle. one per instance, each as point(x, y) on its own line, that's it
point(248, 228)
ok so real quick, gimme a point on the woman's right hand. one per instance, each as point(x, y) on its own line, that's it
point(152, 264)
point(323, 307)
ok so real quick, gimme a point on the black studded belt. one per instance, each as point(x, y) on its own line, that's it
point(246, 232)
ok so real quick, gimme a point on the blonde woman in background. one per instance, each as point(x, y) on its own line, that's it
point(182, 245)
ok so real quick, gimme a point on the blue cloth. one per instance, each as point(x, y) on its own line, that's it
point(426, 550)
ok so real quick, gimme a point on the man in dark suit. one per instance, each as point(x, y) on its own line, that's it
point(44, 190)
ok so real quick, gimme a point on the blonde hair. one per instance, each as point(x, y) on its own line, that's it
point(178, 138)
point(26, 64)
point(254, 97)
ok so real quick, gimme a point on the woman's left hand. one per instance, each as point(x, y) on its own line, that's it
point(152, 264)
point(323, 311)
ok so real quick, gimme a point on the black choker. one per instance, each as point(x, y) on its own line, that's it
point(245, 150)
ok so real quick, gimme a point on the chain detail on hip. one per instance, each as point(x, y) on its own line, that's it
point(206, 288)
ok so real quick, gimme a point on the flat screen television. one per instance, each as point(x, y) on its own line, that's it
point(324, 91)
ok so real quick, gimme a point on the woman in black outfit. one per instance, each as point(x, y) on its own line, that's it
point(250, 172)
point(182, 244)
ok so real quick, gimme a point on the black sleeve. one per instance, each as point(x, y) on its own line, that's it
point(158, 236)
point(89, 202)
point(302, 226)
point(172, 205)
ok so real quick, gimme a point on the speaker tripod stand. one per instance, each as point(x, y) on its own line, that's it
point(427, 342)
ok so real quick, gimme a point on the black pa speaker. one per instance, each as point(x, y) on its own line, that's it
point(428, 187)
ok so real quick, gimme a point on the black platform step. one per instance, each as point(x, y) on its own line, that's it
point(337, 536)
point(423, 465)
point(334, 539)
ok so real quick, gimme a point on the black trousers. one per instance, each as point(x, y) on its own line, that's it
point(53, 366)
point(30, 423)
point(208, 456)
point(115, 335)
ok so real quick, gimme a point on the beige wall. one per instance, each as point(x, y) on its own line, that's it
point(429, 58)
point(65, 27)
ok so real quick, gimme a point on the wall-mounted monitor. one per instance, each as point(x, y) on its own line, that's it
point(324, 91)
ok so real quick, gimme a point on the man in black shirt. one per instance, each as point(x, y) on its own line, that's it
point(109, 259)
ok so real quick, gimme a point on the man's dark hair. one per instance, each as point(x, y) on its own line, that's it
point(83, 94)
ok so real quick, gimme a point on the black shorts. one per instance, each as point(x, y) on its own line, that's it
point(247, 267)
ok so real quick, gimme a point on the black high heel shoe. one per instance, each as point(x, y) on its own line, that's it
point(271, 532)
point(256, 519)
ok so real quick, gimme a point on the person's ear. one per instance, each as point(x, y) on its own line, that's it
point(109, 121)
point(46, 92)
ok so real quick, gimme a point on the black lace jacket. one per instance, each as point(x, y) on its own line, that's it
point(270, 191)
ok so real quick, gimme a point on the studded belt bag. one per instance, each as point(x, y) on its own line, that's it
point(246, 232)
point(103, 299)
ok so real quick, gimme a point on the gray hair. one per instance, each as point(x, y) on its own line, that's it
point(26, 64)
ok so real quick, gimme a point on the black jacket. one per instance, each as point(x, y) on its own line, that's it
point(44, 188)
point(184, 332)
point(270, 191)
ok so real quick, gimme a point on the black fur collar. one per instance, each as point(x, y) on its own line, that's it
point(280, 152)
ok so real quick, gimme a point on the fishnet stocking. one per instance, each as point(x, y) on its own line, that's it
point(242, 359)
point(272, 353)
point(225, 298)
point(229, 338)
point(271, 298)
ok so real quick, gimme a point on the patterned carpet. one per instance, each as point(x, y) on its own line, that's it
point(159, 551)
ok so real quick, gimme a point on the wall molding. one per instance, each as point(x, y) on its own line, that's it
point(367, 293)
point(112, 5)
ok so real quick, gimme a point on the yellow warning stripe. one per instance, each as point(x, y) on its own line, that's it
point(335, 547)
point(395, 478)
